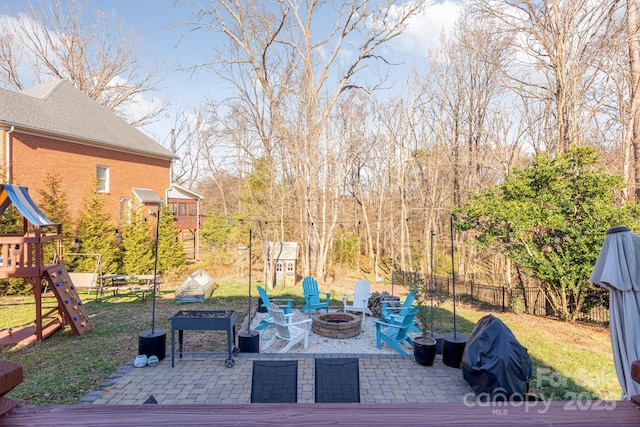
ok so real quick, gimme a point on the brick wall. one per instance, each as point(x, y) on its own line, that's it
point(33, 157)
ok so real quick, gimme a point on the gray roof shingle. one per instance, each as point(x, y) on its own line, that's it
point(58, 107)
point(282, 250)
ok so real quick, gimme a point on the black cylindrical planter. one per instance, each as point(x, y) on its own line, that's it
point(260, 308)
point(438, 338)
point(152, 343)
point(249, 342)
point(452, 349)
point(424, 350)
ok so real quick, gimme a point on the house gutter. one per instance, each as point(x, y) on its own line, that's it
point(8, 155)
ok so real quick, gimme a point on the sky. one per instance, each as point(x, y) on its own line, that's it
point(154, 23)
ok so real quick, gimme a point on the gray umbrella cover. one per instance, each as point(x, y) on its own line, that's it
point(618, 270)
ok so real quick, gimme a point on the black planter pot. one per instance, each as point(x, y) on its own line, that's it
point(424, 350)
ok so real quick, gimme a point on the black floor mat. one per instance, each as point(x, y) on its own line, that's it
point(337, 380)
point(274, 381)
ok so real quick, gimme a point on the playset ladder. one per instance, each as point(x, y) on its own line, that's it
point(69, 302)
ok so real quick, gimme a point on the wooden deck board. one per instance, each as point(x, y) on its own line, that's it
point(27, 334)
point(557, 413)
point(11, 374)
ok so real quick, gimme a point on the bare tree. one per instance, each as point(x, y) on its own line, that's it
point(560, 45)
point(55, 39)
point(463, 128)
point(633, 30)
point(192, 136)
point(367, 181)
point(292, 69)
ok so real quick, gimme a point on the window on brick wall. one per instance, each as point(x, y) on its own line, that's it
point(102, 179)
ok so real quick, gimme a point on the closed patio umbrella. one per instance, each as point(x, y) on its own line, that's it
point(618, 270)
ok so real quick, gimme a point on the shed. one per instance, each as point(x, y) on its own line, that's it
point(281, 263)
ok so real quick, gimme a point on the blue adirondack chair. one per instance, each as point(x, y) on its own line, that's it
point(312, 298)
point(394, 312)
point(395, 334)
point(283, 304)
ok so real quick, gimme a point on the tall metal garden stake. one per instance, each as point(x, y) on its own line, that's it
point(155, 274)
point(453, 276)
point(249, 312)
point(431, 279)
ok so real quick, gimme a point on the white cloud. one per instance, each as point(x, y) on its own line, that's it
point(424, 30)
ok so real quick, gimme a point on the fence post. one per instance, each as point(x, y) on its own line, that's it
point(503, 292)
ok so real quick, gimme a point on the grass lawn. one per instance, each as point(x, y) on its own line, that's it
point(570, 360)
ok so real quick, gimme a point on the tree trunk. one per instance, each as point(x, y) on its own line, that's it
point(634, 75)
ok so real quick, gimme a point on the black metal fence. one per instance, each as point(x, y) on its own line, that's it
point(531, 300)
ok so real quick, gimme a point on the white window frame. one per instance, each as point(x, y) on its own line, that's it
point(102, 184)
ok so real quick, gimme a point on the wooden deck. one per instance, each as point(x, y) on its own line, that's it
point(26, 334)
point(554, 413)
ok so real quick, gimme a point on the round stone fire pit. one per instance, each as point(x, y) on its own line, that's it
point(336, 325)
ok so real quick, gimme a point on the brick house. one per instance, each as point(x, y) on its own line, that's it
point(53, 128)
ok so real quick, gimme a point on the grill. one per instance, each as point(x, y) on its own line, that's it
point(204, 320)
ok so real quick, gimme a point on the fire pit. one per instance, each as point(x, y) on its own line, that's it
point(204, 320)
point(336, 325)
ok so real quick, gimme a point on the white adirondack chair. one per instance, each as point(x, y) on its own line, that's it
point(293, 332)
point(359, 299)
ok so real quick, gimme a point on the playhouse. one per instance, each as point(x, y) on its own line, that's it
point(22, 256)
point(280, 265)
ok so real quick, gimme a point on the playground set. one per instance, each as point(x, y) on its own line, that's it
point(22, 257)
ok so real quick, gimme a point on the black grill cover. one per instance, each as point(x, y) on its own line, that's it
point(494, 363)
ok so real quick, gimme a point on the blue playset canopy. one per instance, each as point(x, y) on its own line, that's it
point(21, 199)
